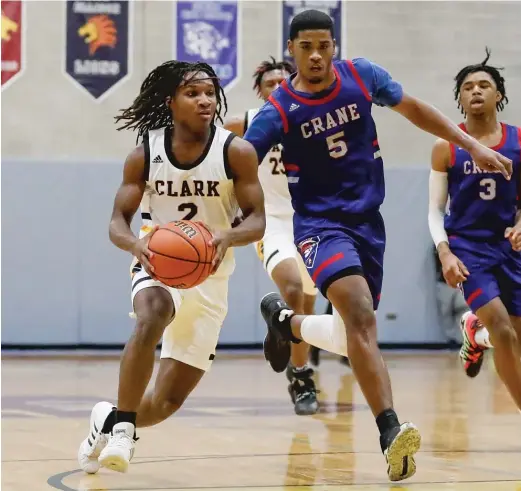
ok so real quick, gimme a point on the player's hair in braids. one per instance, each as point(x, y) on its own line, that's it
point(268, 66)
point(150, 109)
point(482, 67)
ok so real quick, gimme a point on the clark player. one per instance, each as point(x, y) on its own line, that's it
point(479, 240)
point(186, 168)
point(322, 117)
point(277, 250)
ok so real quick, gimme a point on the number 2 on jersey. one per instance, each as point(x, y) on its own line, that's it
point(337, 147)
point(489, 191)
point(188, 206)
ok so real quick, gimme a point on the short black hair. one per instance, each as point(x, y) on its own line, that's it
point(268, 66)
point(310, 20)
point(482, 67)
point(149, 111)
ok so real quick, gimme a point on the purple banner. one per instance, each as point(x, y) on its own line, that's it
point(290, 8)
point(208, 31)
point(97, 44)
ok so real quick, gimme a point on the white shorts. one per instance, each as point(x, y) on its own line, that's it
point(192, 335)
point(277, 245)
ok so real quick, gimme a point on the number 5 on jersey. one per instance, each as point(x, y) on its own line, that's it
point(336, 145)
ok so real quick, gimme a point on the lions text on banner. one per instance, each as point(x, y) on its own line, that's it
point(98, 44)
point(13, 20)
point(290, 8)
point(208, 31)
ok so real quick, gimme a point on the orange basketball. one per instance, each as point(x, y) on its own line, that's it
point(182, 257)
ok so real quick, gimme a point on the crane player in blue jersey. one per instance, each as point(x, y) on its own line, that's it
point(322, 117)
point(479, 240)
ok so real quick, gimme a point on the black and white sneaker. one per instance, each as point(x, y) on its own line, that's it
point(302, 390)
point(399, 446)
point(277, 343)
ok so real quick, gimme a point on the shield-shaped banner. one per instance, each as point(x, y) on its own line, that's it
point(208, 31)
point(98, 44)
point(12, 41)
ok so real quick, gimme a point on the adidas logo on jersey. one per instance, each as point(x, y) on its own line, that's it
point(157, 160)
point(293, 107)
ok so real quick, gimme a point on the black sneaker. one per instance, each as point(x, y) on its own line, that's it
point(302, 390)
point(399, 445)
point(277, 343)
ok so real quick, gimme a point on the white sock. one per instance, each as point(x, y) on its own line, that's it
point(482, 339)
point(324, 332)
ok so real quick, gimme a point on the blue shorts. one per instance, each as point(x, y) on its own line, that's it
point(332, 250)
point(495, 271)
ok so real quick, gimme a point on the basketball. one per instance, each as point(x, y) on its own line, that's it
point(182, 256)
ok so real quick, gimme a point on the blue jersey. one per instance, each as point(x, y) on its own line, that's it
point(483, 204)
point(330, 146)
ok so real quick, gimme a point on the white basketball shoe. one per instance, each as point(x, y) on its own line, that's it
point(96, 441)
point(120, 448)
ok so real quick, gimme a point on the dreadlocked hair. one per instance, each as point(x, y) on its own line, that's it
point(482, 67)
point(150, 109)
point(268, 66)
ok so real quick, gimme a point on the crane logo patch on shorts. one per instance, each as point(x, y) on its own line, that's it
point(308, 250)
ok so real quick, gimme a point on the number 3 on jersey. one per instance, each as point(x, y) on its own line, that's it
point(337, 147)
point(192, 210)
point(488, 191)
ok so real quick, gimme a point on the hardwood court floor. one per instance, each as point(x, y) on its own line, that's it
point(238, 431)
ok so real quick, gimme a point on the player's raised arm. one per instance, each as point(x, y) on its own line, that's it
point(126, 203)
point(248, 191)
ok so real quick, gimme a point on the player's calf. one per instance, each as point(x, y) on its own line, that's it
point(506, 349)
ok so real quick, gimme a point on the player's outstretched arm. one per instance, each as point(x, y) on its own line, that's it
point(235, 124)
point(454, 271)
point(429, 119)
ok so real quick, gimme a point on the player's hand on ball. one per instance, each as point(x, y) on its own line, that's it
point(513, 234)
point(221, 242)
point(142, 252)
point(454, 271)
point(487, 159)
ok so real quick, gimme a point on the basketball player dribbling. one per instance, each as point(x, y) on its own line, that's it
point(276, 250)
point(479, 240)
point(322, 118)
point(186, 168)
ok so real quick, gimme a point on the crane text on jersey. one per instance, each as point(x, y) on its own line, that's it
point(469, 167)
point(331, 119)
